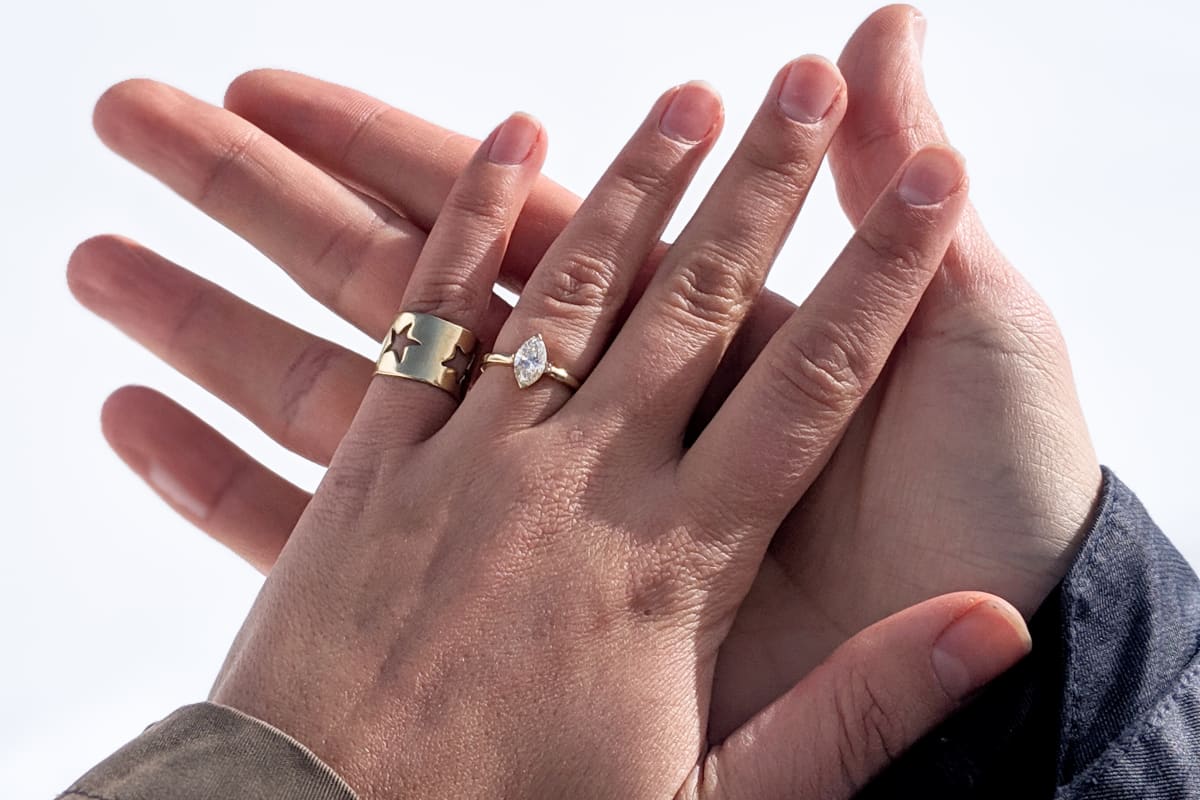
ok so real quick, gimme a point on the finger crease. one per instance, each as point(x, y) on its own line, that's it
point(352, 259)
point(234, 153)
point(302, 376)
point(368, 120)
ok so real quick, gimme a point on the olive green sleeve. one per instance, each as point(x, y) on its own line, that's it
point(205, 751)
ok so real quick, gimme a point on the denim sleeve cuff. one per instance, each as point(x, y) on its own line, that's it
point(1130, 625)
point(1112, 669)
point(207, 750)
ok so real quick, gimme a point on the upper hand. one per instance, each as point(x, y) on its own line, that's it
point(346, 249)
point(524, 595)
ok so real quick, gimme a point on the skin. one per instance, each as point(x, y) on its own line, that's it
point(441, 626)
point(1001, 504)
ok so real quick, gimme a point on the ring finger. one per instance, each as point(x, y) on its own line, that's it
point(452, 282)
point(573, 296)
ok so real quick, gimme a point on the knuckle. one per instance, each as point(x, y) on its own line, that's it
point(869, 735)
point(355, 476)
point(639, 178)
point(444, 293)
point(353, 249)
point(715, 286)
point(823, 366)
point(778, 170)
point(304, 379)
point(477, 210)
point(889, 254)
point(880, 135)
point(582, 281)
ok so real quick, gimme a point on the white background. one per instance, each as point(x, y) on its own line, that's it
point(1080, 131)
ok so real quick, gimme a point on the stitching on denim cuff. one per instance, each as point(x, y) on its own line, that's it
point(1108, 516)
point(1138, 732)
point(69, 793)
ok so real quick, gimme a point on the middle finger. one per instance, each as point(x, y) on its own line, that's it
point(575, 293)
point(666, 354)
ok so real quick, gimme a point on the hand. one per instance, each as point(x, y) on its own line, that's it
point(410, 164)
point(969, 463)
point(439, 604)
point(486, 600)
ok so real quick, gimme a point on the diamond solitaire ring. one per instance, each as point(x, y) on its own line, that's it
point(530, 363)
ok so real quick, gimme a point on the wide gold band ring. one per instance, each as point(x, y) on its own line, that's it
point(530, 363)
point(422, 347)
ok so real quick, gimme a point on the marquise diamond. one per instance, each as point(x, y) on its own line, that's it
point(529, 362)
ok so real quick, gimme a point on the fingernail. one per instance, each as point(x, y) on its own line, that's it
point(809, 89)
point(979, 646)
point(919, 24)
point(692, 113)
point(931, 176)
point(513, 141)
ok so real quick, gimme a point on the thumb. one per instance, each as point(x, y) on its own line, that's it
point(889, 117)
point(869, 701)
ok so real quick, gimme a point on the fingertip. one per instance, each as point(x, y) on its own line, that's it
point(694, 112)
point(128, 404)
point(146, 429)
point(244, 86)
point(932, 175)
point(978, 645)
point(811, 89)
point(918, 26)
point(248, 88)
point(113, 106)
point(88, 264)
point(1001, 609)
point(889, 22)
point(518, 140)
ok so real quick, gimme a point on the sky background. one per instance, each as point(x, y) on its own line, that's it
point(1079, 130)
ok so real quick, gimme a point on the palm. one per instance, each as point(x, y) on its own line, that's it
point(941, 499)
point(969, 465)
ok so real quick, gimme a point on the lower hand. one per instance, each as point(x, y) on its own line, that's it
point(525, 594)
point(989, 349)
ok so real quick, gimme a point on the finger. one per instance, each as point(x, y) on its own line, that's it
point(411, 164)
point(299, 389)
point(709, 279)
point(889, 118)
point(874, 697)
point(454, 276)
point(395, 156)
point(351, 253)
point(574, 295)
point(776, 430)
point(202, 475)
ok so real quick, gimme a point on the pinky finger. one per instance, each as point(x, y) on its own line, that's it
point(202, 475)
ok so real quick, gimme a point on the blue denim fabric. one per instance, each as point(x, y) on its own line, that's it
point(1108, 703)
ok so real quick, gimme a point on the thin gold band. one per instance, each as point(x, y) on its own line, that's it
point(557, 373)
point(425, 348)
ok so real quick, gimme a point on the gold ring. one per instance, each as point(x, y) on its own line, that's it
point(530, 363)
point(422, 347)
